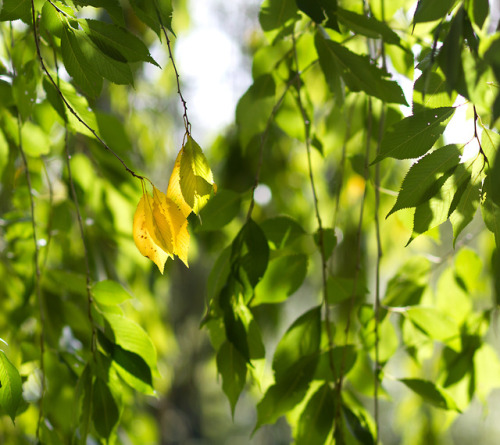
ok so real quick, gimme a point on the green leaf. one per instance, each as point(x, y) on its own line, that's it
point(16, 9)
point(359, 73)
point(233, 369)
point(116, 42)
point(112, 7)
point(282, 231)
point(196, 179)
point(408, 285)
point(220, 210)
point(341, 356)
point(319, 10)
point(109, 292)
point(276, 13)
point(466, 209)
point(11, 388)
point(35, 141)
point(316, 419)
point(429, 91)
point(288, 391)
point(301, 339)
point(431, 393)
point(330, 68)
point(250, 252)
point(358, 427)
point(77, 64)
point(116, 71)
point(284, 275)
point(78, 103)
point(490, 211)
point(24, 88)
point(131, 337)
point(430, 10)
point(413, 136)
point(52, 20)
point(329, 241)
point(150, 12)
point(368, 26)
point(434, 323)
point(84, 412)
point(105, 413)
point(340, 289)
point(219, 274)
point(478, 11)
point(254, 108)
point(426, 177)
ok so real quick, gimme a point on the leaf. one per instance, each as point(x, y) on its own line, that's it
point(250, 253)
point(413, 136)
point(116, 71)
point(341, 356)
point(478, 11)
point(288, 391)
point(220, 210)
point(233, 369)
point(16, 9)
point(284, 275)
point(196, 179)
point(105, 413)
point(282, 231)
point(174, 187)
point(316, 419)
point(78, 66)
point(112, 7)
point(490, 211)
point(24, 88)
point(358, 427)
point(426, 177)
point(330, 68)
point(11, 388)
point(109, 292)
point(151, 12)
point(359, 73)
point(434, 323)
point(131, 337)
point(430, 10)
point(340, 289)
point(429, 91)
point(276, 13)
point(170, 226)
point(117, 42)
point(143, 233)
point(368, 26)
point(329, 241)
point(465, 210)
point(431, 393)
point(319, 10)
point(301, 339)
point(35, 141)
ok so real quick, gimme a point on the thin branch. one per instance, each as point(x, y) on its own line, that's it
point(321, 237)
point(187, 124)
point(82, 236)
point(356, 271)
point(68, 106)
point(265, 134)
point(38, 289)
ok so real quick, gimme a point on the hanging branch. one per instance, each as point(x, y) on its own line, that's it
point(38, 290)
point(321, 237)
point(336, 426)
point(187, 124)
point(66, 103)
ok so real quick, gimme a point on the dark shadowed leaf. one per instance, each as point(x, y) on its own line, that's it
point(105, 413)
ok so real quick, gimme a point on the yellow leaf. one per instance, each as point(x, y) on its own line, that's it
point(195, 177)
point(171, 225)
point(174, 187)
point(143, 225)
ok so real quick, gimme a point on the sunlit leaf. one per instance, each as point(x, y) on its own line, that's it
point(196, 179)
point(431, 393)
point(275, 13)
point(109, 292)
point(11, 389)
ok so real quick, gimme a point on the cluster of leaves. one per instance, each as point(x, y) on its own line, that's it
point(322, 115)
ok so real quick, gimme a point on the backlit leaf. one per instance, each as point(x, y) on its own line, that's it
point(16, 9)
point(11, 389)
point(143, 232)
point(431, 393)
point(109, 292)
point(174, 187)
point(429, 10)
point(275, 13)
point(196, 179)
point(413, 136)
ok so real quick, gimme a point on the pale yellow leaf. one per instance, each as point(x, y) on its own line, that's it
point(174, 187)
point(142, 234)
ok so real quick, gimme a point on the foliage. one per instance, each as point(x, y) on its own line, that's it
point(310, 307)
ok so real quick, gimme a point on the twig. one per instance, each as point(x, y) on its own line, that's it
point(321, 238)
point(68, 106)
point(38, 289)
